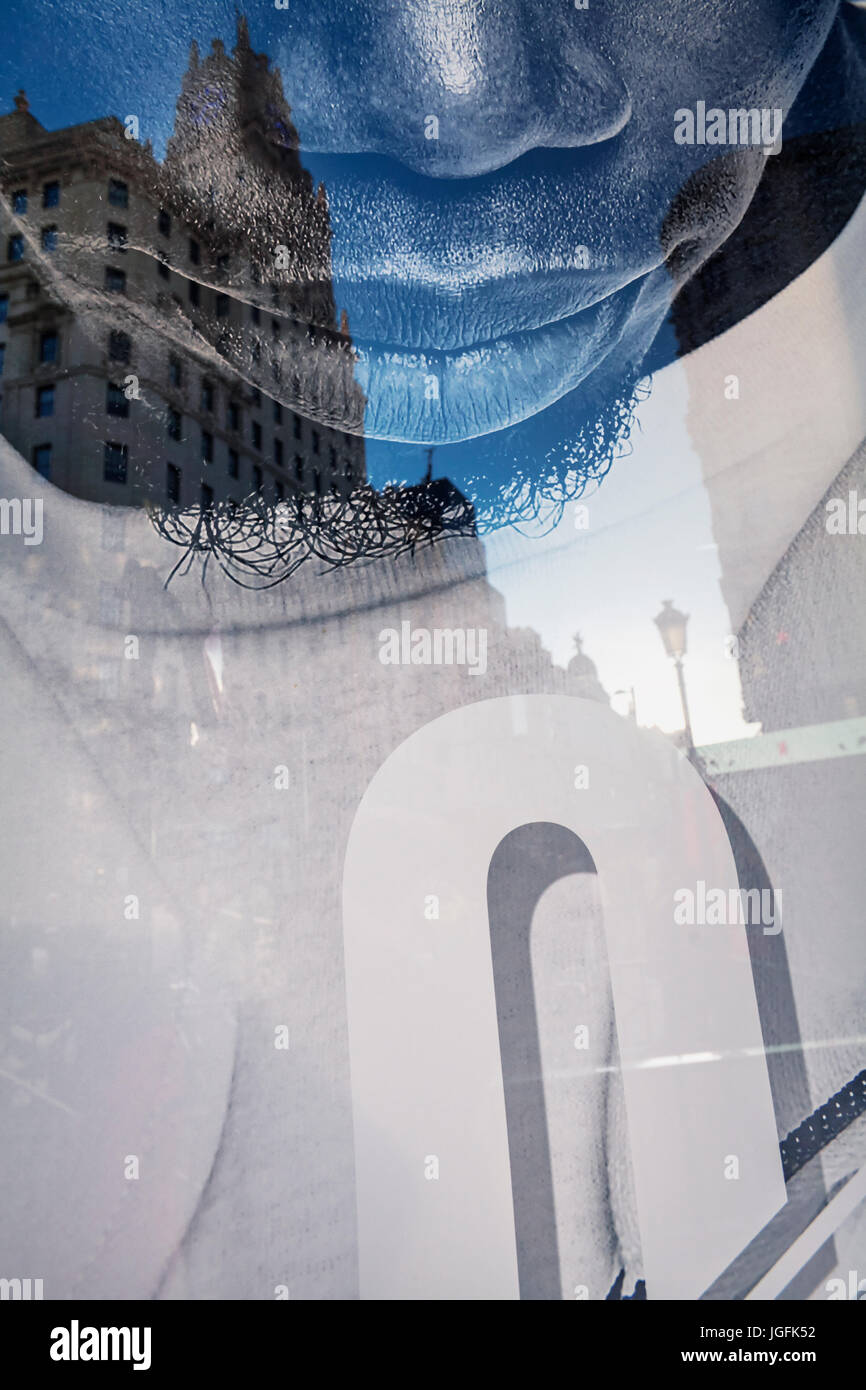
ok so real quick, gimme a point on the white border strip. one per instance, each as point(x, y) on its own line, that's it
point(844, 738)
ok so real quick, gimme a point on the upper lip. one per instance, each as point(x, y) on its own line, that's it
point(415, 311)
point(445, 265)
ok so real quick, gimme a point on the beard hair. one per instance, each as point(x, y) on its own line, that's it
point(540, 485)
point(261, 544)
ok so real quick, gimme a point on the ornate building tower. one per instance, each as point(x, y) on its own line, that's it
point(168, 331)
point(581, 677)
point(232, 168)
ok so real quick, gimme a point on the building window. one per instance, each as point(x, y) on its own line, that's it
point(256, 350)
point(49, 238)
point(173, 422)
point(172, 483)
point(117, 238)
point(234, 416)
point(115, 459)
point(115, 280)
point(255, 315)
point(174, 371)
point(278, 453)
point(257, 435)
point(234, 464)
point(4, 307)
point(333, 458)
point(42, 460)
point(275, 327)
point(19, 200)
point(206, 497)
point(278, 413)
point(222, 306)
point(15, 248)
point(207, 446)
point(257, 478)
point(45, 401)
point(49, 347)
point(296, 425)
point(299, 468)
point(315, 438)
point(162, 266)
point(194, 293)
point(119, 346)
point(279, 490)
point(116, 402)
point(118, 193)
point(163, 222)
point(207, 396)
point(257, 398)
point(194, 251)
point(51, 194)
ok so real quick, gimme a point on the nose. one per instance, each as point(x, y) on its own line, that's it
point(451, 88)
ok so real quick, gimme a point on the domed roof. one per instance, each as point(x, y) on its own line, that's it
point(581, 664)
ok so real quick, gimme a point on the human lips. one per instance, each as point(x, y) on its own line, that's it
point(436, 397)
point(474, 304)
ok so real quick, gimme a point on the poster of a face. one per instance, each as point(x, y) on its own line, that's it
point(433, 540)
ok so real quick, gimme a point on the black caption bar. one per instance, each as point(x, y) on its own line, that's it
point(148, 1340)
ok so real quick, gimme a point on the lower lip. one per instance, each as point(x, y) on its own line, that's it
point(447, 397)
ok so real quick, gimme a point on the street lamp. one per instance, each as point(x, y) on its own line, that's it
point(671, 623)
point(632, 703)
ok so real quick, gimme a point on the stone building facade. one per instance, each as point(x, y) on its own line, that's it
point(168, 330)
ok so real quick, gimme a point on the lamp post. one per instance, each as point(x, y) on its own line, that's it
point(632, 703)
point(672, 626)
